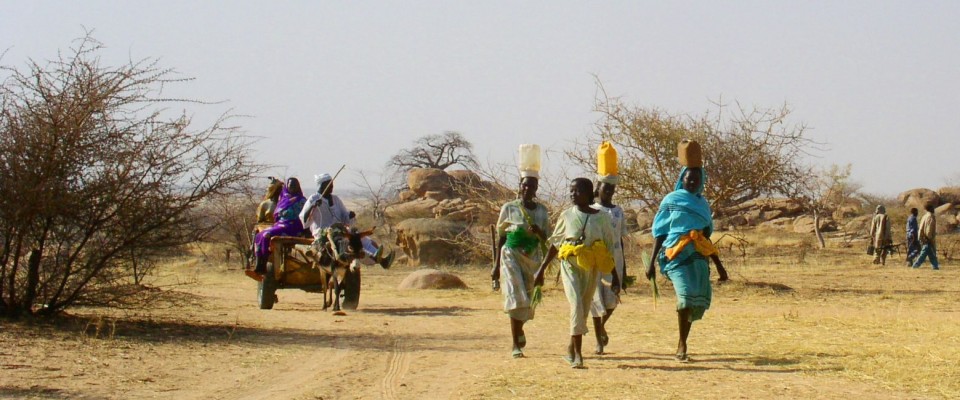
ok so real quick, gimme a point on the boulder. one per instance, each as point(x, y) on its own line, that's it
point(859, 224)
point(436, 195)
point(780, 224)
point(919, 198)
point(731, 222)
point(804, 224)
point(949, 194)
point(420, 208)
point(429, 241)
point(407, 195)
point(944, 209)
point(753, 217)
point(784, 207)
point(423, 180)
point(431, 279)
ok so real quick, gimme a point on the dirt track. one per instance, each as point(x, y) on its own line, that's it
point(408, 345)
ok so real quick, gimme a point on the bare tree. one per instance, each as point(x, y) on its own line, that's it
point(235, 218)
point(436, 151)
point(377, 194)
point(95, 180)
point(748, 153)
point(822, 191)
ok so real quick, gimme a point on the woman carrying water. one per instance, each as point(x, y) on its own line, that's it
point(681, 231)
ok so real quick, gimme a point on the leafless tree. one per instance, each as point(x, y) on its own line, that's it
point(377, 194)
point(436, 151)
point(822, 191)
point(235, 218)
point(749, 153)
point(96, 179)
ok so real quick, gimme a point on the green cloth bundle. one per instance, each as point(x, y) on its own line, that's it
point(522, 239)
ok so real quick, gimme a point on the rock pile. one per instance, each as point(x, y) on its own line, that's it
point(433, 217)
point(945, 201)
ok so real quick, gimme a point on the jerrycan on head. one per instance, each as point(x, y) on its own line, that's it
point(607, 160)
point(690, 154)
point(529, 161)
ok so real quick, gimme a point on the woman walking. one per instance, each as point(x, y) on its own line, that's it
point(681, 231)
point(609, 285)
point(521, 229)
point(581, 240)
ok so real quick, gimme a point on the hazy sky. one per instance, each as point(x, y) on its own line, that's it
point(335, 82)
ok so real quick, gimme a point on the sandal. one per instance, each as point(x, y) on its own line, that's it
point(682, 358)
point(517, 353)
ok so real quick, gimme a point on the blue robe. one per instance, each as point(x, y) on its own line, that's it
point(680, 212)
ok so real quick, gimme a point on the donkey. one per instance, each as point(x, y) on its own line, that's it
point(339, 248)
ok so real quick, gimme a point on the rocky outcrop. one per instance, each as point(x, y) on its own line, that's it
point(919, 198)
point(423, 180)
point(946, 208)
point(950, 194)
point(804, 224)
point(431, 279)
point(766, 213)
point(431, 241)
point(947, 223)
point(433, 217)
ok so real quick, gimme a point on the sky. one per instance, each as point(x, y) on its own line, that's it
point(326, 83)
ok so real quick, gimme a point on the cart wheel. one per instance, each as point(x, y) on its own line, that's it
point(350, 294)
point(267, 289)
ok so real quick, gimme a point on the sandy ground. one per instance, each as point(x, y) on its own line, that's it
point(216, 344)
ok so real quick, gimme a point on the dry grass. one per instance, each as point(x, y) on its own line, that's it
point(831, 325)
point(834, 318)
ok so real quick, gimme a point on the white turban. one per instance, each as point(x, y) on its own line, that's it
point(320, 179)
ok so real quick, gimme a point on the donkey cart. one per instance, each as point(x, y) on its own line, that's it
point(316, 267)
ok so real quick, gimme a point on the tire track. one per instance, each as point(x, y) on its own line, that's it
point(397, 365)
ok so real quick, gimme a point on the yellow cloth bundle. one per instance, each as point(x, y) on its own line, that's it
point(589, 257)
point(701, 244)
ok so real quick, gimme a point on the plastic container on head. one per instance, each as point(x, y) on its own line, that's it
point(607, 160)
point(529, 162)
point(690, 154)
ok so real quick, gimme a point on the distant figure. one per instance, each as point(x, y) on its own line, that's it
point(913, 244)
point(927, 233)
point(880, 235)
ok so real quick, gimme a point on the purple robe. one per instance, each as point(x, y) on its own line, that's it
point(287, 222)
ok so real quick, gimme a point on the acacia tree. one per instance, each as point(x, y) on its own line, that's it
point(748, 153)
point(94, 178)
point(436, 151)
